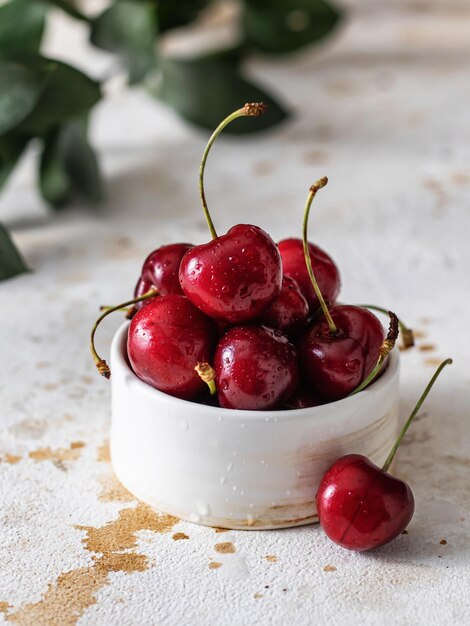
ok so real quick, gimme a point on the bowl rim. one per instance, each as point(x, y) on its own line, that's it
point(321, 412)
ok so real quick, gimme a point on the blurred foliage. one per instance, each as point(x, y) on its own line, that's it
point(49, 101)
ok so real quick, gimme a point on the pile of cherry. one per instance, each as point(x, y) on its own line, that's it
point(244, 323)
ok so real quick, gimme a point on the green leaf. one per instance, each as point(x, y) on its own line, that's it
point(21, 27)
point(20, 89)
point(171, 14)
point(280, 26)
point(68, 166)
point(11, 148)
point(128, 28)
point(207, 89)
point(11, 262)
point(67, 93)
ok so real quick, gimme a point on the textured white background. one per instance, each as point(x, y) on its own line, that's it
point(383, 110)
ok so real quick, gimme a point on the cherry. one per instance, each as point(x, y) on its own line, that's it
point(341, 350)
point(235, 277)
point(255, 368)
point(160, 271)
point(289, 311)
point(167, 339)
point(360, 505)
point(334, 365)
point(293, 261)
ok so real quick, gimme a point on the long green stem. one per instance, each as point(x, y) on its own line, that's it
point(423, 397)
point(253, 109)
point(385, 350)
point(100, 363)
point(405, 332)
point(308, 261)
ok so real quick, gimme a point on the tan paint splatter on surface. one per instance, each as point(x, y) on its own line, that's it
point(112, 490)
point(88, 380)
point(329, 568)
point(272, 558)
point(443, 542)
point(461, 178)
point(419, 334)
point(433, 361)
point(67, 598)
point(180, 536)
point(263, 168)
point(315, 157)
point(426, 347)
point(215, 565)
point(104, 453)
point(4, 606)
point(226, 547)
point(51, 386)
point(121, 534)
point(12, 459)
point(257, 596)
point(61, 454)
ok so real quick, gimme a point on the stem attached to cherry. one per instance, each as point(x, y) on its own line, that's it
point(406, 333)
point(423, 397)
point(253, 109)
point(100, 363)
point(308, 261)
point(207, 374)
point(385, 350)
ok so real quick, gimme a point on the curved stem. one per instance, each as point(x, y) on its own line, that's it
point(207, 374)
point(423, 397)
point(253, 109)
point(100, 363)
point(405, 332)
point(308, 261)
point(385, 350)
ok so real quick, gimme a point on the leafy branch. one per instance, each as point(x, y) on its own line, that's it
point(50, 102)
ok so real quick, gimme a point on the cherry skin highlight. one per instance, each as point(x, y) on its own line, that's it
point(255, 368)
point(289, 311)
point(360, 506)
point(333, 365)
point(160, 271)
point(326, 272)
point(166, 340)
point(235, 277)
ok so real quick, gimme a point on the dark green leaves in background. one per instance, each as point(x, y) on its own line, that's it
point(47, 101)
point(129, 29)
point(281, 26)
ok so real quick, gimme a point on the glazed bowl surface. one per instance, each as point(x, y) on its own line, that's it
point(239, 469)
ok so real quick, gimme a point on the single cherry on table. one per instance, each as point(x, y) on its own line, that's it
point(360, 505)
point(235, 277)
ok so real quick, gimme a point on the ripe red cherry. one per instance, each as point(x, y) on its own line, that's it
point(166, 340)
point(334, 364)
point(302, 399)
point(326, 272)
point(161, 271)
point(234, 278)
point(289, 311)
point(255, 368)
point(360, 505)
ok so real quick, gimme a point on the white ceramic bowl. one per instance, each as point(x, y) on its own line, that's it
point(239, 469)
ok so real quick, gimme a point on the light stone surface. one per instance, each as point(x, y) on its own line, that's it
point(383, 110)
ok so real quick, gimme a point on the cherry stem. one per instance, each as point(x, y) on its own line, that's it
point(207, 374)
point(108, 308)
point(384, 351)
point(405, 332)
point(423, 397)
point(308, 261)
point(253, 109)
point(100, 363)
